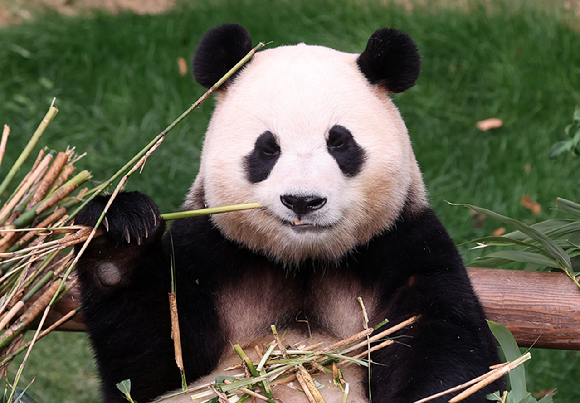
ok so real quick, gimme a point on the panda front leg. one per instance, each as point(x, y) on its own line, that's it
point(449, 345)
point(124, 278)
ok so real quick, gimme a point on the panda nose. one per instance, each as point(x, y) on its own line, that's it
point(303, 204)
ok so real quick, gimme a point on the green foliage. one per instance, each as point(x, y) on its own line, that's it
point(125, 388)
point(546, 245)
point(571, 145)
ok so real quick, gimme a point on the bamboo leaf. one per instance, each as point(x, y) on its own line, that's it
point(568, 206)
point(575, 239)
point(511, 352)
point(551, 248)
point(124, 386)
point(544, 226)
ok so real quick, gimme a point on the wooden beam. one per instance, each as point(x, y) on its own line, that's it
point(541, 309)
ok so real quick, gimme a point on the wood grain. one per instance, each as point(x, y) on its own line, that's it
point(540, 309)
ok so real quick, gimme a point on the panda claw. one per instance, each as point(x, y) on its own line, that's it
point(106, 223)
point(127, 236)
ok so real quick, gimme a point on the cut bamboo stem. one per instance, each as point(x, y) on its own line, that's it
point(211, 210)
point(48, 179)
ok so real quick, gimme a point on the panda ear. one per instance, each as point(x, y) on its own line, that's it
point(390, 60)
point(218, 51)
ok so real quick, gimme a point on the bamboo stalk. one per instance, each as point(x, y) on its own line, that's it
point(254, 394)
point(175, 334)
point(159, 138)
point(28, 316)
point(308, 386)
point(5, 134)
point(58, 213)
point(493, 376)
point(63, 191)
point(345, 342)
point(48, 180)
point(52, 111)
point(385, 333)
point(279, 342)
point(211, 210)
point(35, 175)
point(62, 178)
point(17, 307)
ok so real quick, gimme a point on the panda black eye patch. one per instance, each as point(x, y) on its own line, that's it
point(260, 162)
point(349, 156)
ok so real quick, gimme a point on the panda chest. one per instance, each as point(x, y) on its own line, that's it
point(326, 307)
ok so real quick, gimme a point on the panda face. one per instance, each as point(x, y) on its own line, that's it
point(305, 179)
point(301, 131)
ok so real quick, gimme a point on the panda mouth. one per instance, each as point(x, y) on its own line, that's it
point(303, 226)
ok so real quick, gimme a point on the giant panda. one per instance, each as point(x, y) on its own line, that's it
point(312, 134)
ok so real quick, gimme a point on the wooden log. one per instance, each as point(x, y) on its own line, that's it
point(540, 309)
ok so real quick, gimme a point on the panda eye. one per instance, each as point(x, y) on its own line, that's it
point(270, 150)
point(267, 146)
point(345, 150)
point(338, 139)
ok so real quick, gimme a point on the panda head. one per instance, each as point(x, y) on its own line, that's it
point(312, 134)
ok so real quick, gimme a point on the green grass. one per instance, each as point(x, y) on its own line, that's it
point(117, 85)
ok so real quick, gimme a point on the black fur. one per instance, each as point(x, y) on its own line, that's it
point(260, 162)
point(345, 150)
point(415, 265)
point(391, 60)
point(220, 49)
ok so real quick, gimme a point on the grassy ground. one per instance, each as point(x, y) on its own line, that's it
point(117, 85)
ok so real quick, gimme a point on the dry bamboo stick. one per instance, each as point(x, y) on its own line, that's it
point(49, 178)
point(308, 386)
point(8, 300)
point(253, 394)
point(175, 334)
point(67, 171)
point(6, 319)
point(57, 196)
point(365, 353)
point(39, 305)
point(5, 134)
point(385, 333)
point(58, 213)
point(8, 207)
point(39, 158)
point(346, 341)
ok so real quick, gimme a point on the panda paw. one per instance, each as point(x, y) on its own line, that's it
point(133, 217)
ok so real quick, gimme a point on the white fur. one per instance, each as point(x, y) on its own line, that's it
point(298, 93)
